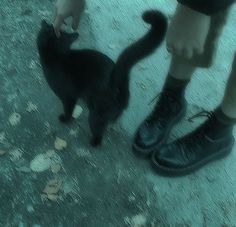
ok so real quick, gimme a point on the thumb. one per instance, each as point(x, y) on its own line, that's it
point(59, 20)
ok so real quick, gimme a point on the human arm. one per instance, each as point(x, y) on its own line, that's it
point(65, 9)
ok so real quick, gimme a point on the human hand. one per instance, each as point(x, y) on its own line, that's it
point(187, 32)
point(65, 9)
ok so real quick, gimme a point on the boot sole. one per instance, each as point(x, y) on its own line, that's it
point(146, 153)
point(185, 171)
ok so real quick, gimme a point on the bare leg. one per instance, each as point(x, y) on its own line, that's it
point(169, 109)
point(180, 71)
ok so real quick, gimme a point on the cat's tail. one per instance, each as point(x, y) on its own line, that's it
point(142, 47)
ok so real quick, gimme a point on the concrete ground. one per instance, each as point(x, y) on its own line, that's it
point(45, 182)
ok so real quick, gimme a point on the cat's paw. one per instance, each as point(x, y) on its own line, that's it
point(63, 118)
point(96, 141)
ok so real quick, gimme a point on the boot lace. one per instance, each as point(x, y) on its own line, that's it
point(166, 106)
point(196, 140)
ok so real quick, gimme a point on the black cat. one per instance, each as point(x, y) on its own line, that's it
point(93, 76)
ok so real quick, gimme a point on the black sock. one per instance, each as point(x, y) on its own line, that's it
point(175, 85)
point(224, 118)
point(223, 125)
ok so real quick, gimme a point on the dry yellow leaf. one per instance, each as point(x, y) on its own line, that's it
point(52, 197)
point(43, 197)
point(60, 144)
point(15, 119)
point(50, 153)
point(31, 107)
point(56, 168)
point(53, 186)
point(2, 152)
point(77, 111)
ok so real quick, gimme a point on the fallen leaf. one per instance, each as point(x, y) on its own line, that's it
point(16, 154)
point(2, 152)
point(45, 161)
point(53, 186)
point(60, 144)
point(73, 132)
point(52, 197)
point(2, 137)
point(50, 153)
point(31, 107)
point(14, 119)
point(139, 220)
point(77, 111)
point(56, 168)
point(44, 197)
point(40, 163)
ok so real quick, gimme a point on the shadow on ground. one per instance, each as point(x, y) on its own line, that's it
point(104, 187)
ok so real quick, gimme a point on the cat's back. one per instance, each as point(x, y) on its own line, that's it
point(89, 60)
point(86, 67)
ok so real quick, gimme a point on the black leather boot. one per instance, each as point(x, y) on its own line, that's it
point(154, 131)
point(210, 141)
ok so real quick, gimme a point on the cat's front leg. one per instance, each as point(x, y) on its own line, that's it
point(98, 125)
point(64, 119)
point(96, 141)
point(68, 105)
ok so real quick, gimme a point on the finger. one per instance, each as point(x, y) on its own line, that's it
point(177, 49)
point(169, 48)
point(58, 23)
point(187, 53)
point(75, 23)
point(199, 50)
point(55, 14)
point(57, 32)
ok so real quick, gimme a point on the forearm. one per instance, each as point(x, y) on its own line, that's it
point(208, 7)
point(65, 9)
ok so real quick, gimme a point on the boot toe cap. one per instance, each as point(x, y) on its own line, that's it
point(148, 136)
point(167, 157)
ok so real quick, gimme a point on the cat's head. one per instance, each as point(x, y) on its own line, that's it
point(47, 37)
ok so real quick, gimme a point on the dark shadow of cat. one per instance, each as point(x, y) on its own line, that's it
point(93, 76)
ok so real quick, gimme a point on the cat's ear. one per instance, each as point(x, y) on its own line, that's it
point(74, 36)
point(44, 24)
